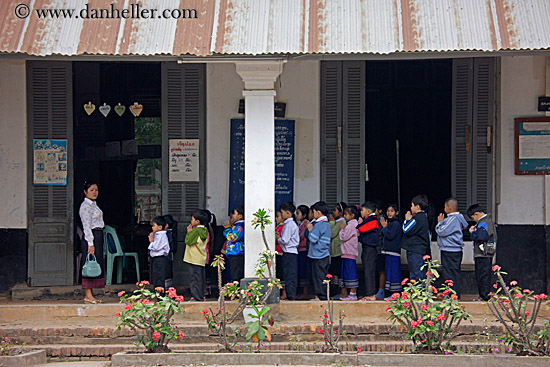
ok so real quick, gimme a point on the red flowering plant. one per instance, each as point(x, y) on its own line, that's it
point(331, 334)
point(150, 313)
point(254, 295)
point(431, 316)
point(517, 310)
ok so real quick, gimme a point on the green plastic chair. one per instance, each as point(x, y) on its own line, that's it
point(113, 250)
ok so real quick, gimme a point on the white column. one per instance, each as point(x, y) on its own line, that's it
point(259, 153)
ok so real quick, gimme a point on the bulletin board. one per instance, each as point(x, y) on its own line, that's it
point(532, 145)
point(50, 162)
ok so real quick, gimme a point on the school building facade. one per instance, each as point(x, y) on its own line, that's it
point(387, 100)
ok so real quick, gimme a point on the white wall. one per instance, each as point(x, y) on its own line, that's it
point(521, 197)
point(13, 145)
point(299, 88)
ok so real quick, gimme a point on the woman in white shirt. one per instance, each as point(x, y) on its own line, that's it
point(92, 242)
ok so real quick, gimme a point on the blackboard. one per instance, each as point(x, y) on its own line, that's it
point(284, 163)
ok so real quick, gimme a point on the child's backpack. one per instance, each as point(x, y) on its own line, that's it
point(172, 235)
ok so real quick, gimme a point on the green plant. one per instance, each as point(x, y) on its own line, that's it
point(431, 316)
point(517, 310)
point(257, 329)
point(296, 342)
point(6, 346)
point(151, 312)
point(331, 334)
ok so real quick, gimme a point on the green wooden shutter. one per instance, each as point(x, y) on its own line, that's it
point(50, 208)
point(331, 124)
point(353, 132)
point(472, 121)
point(183, 117)
point(461, 127)
point(483, 116)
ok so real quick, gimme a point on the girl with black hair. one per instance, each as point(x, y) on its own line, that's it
point(304, 268)
point(289, 241)
point(92, 241)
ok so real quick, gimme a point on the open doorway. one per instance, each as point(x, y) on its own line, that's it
point(120, 151)
point(409, 102)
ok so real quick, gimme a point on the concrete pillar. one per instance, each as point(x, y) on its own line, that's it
point(259, 158)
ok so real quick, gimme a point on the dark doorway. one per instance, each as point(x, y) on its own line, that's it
point(409, 101)
point(122, 153)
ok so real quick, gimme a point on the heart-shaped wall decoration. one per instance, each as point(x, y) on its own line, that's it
point(89, 108)
point(136, 109)
point(119, 109)
point(105, 109)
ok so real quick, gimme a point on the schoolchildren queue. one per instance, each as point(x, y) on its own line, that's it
point(312, 242)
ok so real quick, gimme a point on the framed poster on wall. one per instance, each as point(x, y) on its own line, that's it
point(50, 162)
point(532, 143)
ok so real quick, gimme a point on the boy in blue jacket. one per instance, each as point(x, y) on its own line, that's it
point(319, 243)
point(369, 239)
point(416, 236)
point(450, 242)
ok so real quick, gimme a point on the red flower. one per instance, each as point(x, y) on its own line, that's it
point(329, 276)
point(117, 314)
point(517, 295)
point(395, 296)
point(513, 282)
point(426, 257)
point(159, 289)
point(495, 285)
point(181, 334)
point(496, 267)
point(128, 307)
point(121, 293)
point(434, 289)
point(321, 331)
point(405, 295)
point(156, 336)
point(414, 323)
point(424, 307)
point(406, 303)
point(527, 313)
point(325, 316)
point(526, 291)
point(404, 281)
point(388, 309)
point(179, 298)
point(441, 316)
point(431, 323)
point(542, 296)
point(454, 297)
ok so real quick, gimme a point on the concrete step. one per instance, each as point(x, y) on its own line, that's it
point(285, 311)
point(106, 350)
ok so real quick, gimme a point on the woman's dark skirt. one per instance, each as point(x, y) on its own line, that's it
point(97, 282)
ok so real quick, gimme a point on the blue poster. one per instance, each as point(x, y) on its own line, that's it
point(533, 146)
point(284, 163)
point(50, 162)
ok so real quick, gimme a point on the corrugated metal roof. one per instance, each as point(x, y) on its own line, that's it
point(261, 27)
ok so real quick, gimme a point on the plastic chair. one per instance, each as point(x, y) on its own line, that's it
point(110, 237)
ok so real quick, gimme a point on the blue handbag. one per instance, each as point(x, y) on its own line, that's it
point(91, 268)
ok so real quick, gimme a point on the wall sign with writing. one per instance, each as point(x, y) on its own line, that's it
point(184, 160)
point(50, 162)
point(532, 146)
point(284, 162)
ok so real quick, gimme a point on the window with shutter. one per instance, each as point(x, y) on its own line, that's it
point(51, 250)
point(342, 131)
point(473, 115)
point(183, 117)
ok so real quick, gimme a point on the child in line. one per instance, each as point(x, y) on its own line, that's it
point(289, 240)
point(304, 268)
point(159, 248)
point(484, 235)
point(348, 236)
point(368, 236)
point(391, 248)
point(335, 250)
point(211, 220)
point(195, 253)
point(279, 224)
point(450, 242)
point(381, 258)
point(172, 234)
point(318, 253)
point(416, 236)
point(234, 234)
